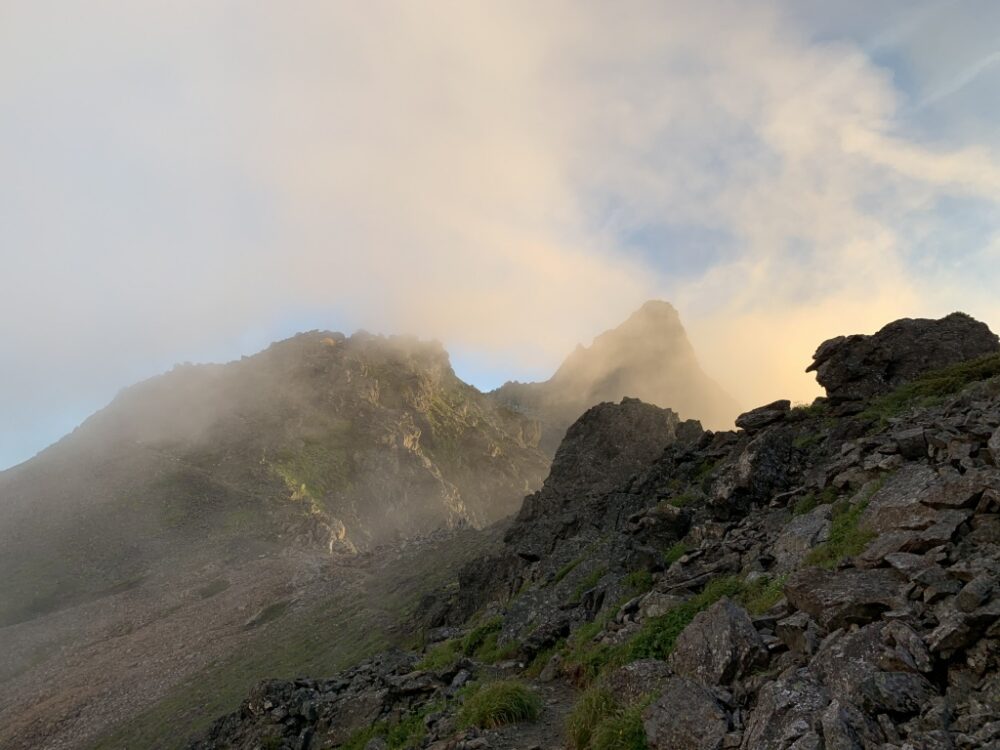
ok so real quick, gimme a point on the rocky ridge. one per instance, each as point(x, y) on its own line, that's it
point(814, 580)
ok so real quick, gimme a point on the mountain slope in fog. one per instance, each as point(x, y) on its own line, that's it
point(647, 357)
point(321, 440)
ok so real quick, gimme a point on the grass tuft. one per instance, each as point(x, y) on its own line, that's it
point(933, 388)
point(674, 553)
point(847, 537)
point(441, 657)
point(500, 703)
point(599, 722)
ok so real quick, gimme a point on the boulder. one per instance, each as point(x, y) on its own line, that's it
point(788, 714)
point(856, 368)
point(836, 599)
point(762, 416)
point(845, 727)
point(994, 447)
point(685, 717)
point(720, 645)
point(800, 536)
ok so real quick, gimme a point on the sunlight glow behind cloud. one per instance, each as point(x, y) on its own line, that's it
point(179, 176)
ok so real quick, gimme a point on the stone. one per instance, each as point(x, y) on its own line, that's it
point(975, 593)
point(912, 443)
point(858, 367)
point(686, 716)
point(994, 447)
point(845, 727)
point(899, 693)
point(788, 712)
point(836, 599)
point(799, 632)
point(762, 416)
point(720, 645)
point(800, 536)
point(635, 681)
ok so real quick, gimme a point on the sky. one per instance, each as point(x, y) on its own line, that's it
point(189, 181)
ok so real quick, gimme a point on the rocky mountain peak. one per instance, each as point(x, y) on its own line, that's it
point(648, 357)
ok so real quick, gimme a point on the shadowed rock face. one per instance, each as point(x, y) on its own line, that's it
point(858, 367)
point(647, 357)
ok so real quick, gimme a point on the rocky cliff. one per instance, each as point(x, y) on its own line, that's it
point(647, 357)
point(821, 578)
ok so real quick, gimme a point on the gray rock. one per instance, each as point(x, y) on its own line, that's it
point(762, 416)
point(855, 368)
point(912, 443)
point(633, 682)
point(685, 717)
point(799, 632)
point(845, 727)
point(720, 645)
point(836, 599)
point(994, 447)
point(975, 593)
point(788, 712)
point(800, 536)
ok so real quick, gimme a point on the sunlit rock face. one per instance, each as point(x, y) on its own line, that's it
point(647, 357)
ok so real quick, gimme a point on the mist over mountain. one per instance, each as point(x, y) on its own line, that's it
point(648, 357)
point(299, 463)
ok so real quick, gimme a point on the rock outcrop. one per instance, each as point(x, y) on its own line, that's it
point(856, 368)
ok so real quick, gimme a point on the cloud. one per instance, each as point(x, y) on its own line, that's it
point(185, 179)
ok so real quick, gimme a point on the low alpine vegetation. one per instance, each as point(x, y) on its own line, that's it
point(499, 703)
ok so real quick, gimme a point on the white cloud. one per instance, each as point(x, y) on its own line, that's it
point(180, 174)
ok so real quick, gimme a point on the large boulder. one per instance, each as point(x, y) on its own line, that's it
point(788, 714)
point(687, 716)
point(858, 367)
point(836, 599)
point(719, 646)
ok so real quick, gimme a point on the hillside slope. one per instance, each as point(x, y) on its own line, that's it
point(319, 441)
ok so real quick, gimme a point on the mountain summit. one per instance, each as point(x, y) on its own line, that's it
point(648, 357)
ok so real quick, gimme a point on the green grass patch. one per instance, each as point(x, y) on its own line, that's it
point(933, 388)
point(442, 656)
point(674, 553)
point(847, 537)
point(476, 638)
point(587, 584)
point(683, 500)
point(761, 594)
point(566, 569)
point(658, 635)
point(407, 732)
point(639, 581)
point(599, 722)
point(584, 658)
point(809, 502)
point(500, 703)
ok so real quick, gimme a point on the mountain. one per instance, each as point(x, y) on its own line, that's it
point(647, 357)
point(321, 440)
point(822, 577)
point(196, 533)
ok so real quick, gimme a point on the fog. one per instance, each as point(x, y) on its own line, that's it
point(190, 182)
